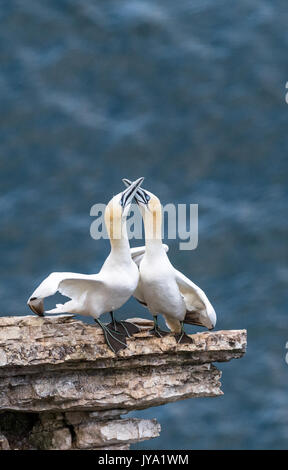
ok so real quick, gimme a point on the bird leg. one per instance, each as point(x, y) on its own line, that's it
point(115, 340)
point(126, 328)
point(156, 330)
point(182, 337)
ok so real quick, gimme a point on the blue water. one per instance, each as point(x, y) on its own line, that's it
point(190, 95)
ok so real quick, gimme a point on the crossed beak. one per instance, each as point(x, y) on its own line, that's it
point(129, 193)
point(141, 197)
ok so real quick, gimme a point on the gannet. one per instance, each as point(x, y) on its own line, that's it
point(95, 294)
point(162, 288)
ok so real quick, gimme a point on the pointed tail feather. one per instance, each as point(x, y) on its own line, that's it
point(194, 318)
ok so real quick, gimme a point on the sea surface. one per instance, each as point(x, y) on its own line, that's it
point(191, 95)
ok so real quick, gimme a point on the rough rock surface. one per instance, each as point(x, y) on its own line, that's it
point(75, 389)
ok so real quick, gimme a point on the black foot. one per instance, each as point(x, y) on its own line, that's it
point(114, 340)
point(182, 338)
point(126, 328)
point(159, 333)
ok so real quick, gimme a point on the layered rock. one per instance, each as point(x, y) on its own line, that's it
point(73, 389)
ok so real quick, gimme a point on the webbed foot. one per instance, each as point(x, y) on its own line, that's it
point(126, 328)
point(182, 337)
point(157, 332)
point(114, 340)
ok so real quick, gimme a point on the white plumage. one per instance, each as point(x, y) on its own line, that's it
point(95, 294)
point(162, 288)
point(91, 294)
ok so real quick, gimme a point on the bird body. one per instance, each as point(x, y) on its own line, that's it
point(162, 288)
point(92, 294)
point(145, 272)
point(95, 294)
point(159, 287)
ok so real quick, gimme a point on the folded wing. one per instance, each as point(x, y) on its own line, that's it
point(199, 309)
point(77, 287)
point(50, 286)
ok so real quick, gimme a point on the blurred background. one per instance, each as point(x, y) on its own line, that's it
point(190, 95)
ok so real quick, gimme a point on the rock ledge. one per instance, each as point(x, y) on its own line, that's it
point(62, 388)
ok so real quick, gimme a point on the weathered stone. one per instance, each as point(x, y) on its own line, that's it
point(73, 389)
point(117, 447)
point(16, 428)
point(54, 439)
point(61, 342)
point(4, 444)
point(78, 417)
point(95, 434)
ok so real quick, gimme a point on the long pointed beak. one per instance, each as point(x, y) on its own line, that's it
point(127, 182)
point(129, 193)
point(141, 195)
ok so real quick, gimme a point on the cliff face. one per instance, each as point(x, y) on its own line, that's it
point(61, 387)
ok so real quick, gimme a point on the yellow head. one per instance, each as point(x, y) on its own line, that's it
point(118, 209)
point(152, 216)
point(151, 211)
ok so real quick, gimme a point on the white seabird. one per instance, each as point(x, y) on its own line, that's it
point(95, 294)
point(162, 288)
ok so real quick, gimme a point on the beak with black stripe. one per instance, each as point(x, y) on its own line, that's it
point(131, 191)
point(141, 196)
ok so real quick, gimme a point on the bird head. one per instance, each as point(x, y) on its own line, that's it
point(150, 208)
point(118, 208)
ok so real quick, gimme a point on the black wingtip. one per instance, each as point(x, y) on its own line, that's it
point(36, 307)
